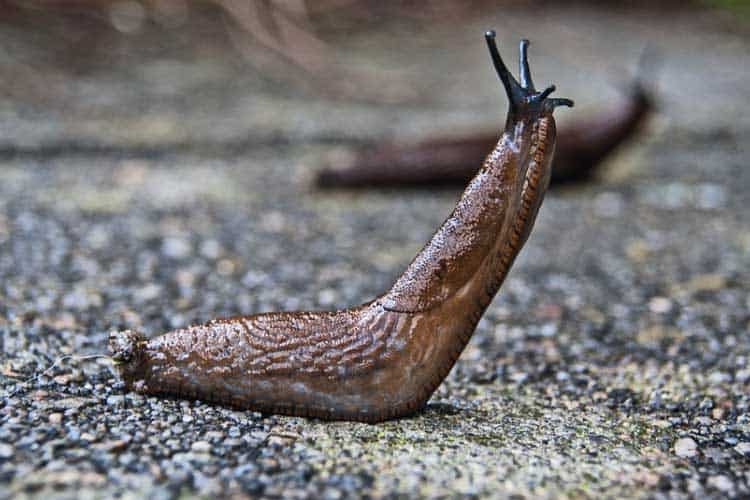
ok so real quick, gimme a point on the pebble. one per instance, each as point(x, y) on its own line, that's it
point(201, 447)
point(706, 421)
point(126, 459)
point(685, 448)
point(113, 446)
point(327, 297)
point(743, 448)
point(211, 249)
point(655, 400)
point(176, 248)
point(74, 404)
point(721, 483)
point(116, 400)
point(710, 196)
point(706, 404)
point(660, 305)
point(147, 293)
point(6, 450)
point(214, 436)
point(281, 439)
point(717, 378)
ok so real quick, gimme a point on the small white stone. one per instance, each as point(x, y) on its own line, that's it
point(211, 249)
point(201, 447)
point(705, 421)
point(722, 483)
point(743, 448)
point(327, 297)
point(685, 448)
point(710, 196)
point(177, 248)
point(660, 305)
point(147, 293)
point(717, 378)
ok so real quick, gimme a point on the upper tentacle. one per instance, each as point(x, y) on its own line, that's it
point(512, 87)
point(523, 63)
point(523, 97)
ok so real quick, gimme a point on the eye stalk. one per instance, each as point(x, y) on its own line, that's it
point(523, 65)
point(523, 96)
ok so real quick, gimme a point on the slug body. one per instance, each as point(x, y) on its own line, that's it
point(382, 359)
point(581, 147)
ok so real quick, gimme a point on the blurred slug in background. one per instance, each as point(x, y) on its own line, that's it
point(582, 146)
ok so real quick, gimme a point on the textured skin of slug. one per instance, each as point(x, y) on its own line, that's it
point(491, 217)
point(383, 359)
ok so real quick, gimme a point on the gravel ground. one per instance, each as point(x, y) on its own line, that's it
point(172, 189)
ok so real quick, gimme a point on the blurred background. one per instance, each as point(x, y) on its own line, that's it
point(178, 74)
point(157, 164)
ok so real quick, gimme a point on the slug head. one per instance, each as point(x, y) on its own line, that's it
point(127, 350)
point(525, 101)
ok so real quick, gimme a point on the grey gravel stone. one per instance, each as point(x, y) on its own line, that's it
point(116, 400)
point(685, 448)
point(201, 447)
point(721, 483)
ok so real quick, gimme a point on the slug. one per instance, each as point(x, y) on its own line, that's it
point(382, 359)
point(581, 148)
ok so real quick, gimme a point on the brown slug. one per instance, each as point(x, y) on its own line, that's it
point(581, 148)
point(382, 359)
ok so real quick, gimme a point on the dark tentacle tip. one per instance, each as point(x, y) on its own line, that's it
point(523, 65)
point(560, 102)
point(523, 97)
point(516, 94)
point(547, 92)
